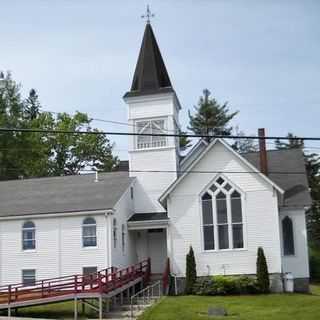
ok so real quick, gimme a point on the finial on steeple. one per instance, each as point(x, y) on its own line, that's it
point(147, 15)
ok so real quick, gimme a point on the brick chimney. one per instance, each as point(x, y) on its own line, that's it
point(263, 152)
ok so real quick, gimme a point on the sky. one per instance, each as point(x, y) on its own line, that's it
point(263, 57)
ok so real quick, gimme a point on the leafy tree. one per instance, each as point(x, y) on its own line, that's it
point(191, 271)
point(210, 117)
point(75, 152)
point(32, 105)
point(32, 154)
point(262, 272)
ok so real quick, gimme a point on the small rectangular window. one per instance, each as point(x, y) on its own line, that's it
point(28, 277)
point(89, 274)
point(123, 237)
point(208, 235)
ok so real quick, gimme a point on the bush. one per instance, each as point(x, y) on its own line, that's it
point(191, 271)
point(225, 285)
point(262, 272)
point(314, 256)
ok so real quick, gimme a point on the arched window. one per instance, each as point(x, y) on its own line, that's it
point(28, 236)
point(288, 239)
point(222, 221)
point(89, 232)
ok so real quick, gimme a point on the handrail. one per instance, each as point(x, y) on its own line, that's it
point(105, 280)
point(146, 298)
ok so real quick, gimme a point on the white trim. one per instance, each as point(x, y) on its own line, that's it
point(54, 215)
point(193, 149)
point(150, 224)
point(254, 169)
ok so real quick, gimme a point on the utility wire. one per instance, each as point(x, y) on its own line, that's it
point(48, 131)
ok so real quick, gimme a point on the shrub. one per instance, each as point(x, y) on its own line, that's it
point(191, 271)
point(314, 256)
point(262, 272)
point(225, 285)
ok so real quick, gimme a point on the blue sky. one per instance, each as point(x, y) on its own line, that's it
point(263, 57)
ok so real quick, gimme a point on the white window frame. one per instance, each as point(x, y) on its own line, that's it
point(229, 213)
point(33, 229)
point(83, 233)
point(164, 131)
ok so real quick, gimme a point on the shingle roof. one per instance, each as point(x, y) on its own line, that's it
point(148, 216)
point(295, 185)
point(62, 194)
point(150, 75)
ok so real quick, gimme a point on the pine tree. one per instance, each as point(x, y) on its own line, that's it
point(262, 272)
point(211, 118)
point(32, 105)
point(191, 271)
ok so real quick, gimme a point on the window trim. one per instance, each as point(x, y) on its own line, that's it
point(293, 238)
point(228, 198)
point(163, 131)
point(34, 229)
point(22, 278)
point(83, 236)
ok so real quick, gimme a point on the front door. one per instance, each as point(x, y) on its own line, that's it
point(157, 249)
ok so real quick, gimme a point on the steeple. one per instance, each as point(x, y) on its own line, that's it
point(150, 76)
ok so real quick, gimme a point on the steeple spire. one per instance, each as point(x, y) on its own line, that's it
point(150, 76)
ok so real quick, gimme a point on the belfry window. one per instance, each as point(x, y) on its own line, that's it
point(151, 127)
point(222, 221)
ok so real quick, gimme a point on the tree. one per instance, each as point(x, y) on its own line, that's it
point(184, 142)
point(210, 118)
point(293, 143)
point(262, 272)
point(34, 154)
point(32, 105)
point(75, 152)
point(244, 145)
point(191, 271)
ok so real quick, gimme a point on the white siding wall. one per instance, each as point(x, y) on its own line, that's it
point(123, 210)
point(260, 214)
point(163, 159)
point(58, 250)
point(298, 264)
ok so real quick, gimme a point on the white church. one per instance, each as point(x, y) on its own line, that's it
point(222, 203)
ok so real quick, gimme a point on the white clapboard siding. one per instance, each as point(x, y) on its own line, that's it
point(260, 215)
point(297, 264)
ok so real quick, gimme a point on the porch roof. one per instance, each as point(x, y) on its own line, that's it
point(148, 220)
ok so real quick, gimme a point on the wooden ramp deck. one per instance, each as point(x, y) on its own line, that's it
point(104, 284)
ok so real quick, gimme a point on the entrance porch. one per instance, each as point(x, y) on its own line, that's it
point(150, 231)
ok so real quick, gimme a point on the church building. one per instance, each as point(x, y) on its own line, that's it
point(222, 203)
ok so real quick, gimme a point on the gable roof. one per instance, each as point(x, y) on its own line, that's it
point(62, 194)
point(295, 183)
point(201, 155)
point(150, 75)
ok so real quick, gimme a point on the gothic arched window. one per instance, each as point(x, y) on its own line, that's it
point(222, 221)
point(288, 238)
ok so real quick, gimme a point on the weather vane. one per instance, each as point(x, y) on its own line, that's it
point(147, 15)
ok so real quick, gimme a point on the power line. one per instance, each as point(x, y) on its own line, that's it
point(49, 131)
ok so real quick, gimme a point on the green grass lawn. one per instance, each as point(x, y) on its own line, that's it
point(258, 307)
point(254, 307)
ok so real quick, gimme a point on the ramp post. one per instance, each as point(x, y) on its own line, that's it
point(100, 307)
point(75, 308)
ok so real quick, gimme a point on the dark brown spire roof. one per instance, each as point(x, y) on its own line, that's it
point(151, 75)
